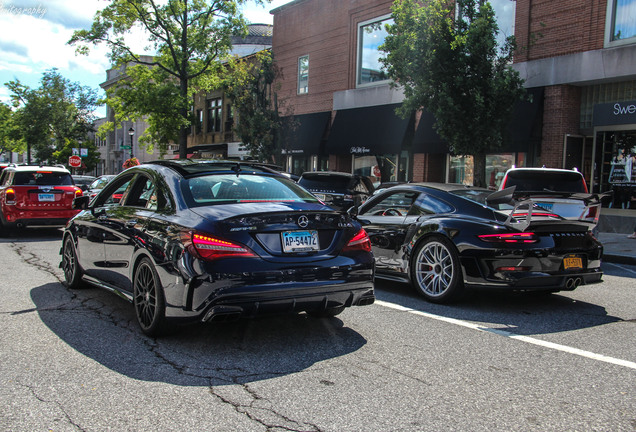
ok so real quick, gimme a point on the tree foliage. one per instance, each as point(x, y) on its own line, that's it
point(249, 84)
point(10, 140)
point(190, 38)
point(48, 117)
point(445, 57)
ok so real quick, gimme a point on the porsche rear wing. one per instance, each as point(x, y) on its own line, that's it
point(524, 204)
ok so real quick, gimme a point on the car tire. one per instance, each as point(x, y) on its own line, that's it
point(435, 270)
point(148, 299)
point(326, 313)
point(70, 265)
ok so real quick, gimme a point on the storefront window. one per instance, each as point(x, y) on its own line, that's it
point(496, 167)
point(370, 37)
point(380, 168)
point(460, 170)
point(616, 152)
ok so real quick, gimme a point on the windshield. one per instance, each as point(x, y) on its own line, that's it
point(230, 188)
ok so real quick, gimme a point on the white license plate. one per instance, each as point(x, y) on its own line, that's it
point(300, 241)
point(46, 197)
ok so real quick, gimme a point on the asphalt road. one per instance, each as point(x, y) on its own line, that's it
point(76, 361)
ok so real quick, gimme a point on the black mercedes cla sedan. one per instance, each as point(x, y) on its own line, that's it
point(191, 241)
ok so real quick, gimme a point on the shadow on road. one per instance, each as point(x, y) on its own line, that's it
point(30, 235)
point(523, 313)
point(102, 326)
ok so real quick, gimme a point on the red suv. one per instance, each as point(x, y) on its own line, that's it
point(36, 196)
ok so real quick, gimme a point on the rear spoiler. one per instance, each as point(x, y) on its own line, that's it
point(524, 202)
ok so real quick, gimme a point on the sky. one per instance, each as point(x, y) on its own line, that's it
point(34, 36)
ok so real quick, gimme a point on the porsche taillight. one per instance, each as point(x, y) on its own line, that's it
point(360, 241)
point(213, 248)
point(9, 196)
point(525, 237)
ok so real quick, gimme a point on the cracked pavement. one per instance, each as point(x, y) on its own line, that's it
point(75, 360)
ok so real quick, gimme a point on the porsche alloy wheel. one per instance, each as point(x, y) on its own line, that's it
point(436, 272)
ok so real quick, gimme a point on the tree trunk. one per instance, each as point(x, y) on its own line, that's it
point(479, 167)
point(183, 111)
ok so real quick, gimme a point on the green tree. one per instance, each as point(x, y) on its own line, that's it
point(50, 115)
point(9, 132)
point(449, 64)
point(249, 85)
point(191, 39)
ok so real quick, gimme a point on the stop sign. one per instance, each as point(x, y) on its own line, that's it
point(75, 161)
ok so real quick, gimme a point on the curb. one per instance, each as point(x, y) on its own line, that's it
point(618, 259)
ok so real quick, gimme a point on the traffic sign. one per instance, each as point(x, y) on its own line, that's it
point(125, 147)
point(75, 161)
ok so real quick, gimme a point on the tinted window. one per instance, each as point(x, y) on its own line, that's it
point(42, 178)
point(325, 182)
point(540, 181)
point(426, 204)
point(229, 188)
point(395, 204)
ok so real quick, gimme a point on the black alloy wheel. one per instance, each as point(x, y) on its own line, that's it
point(70, 266)
point(148, 299)
point(435, 270)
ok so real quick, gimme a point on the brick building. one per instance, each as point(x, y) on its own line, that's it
point(578, 60)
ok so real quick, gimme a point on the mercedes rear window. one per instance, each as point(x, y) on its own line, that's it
point(231, 188)
point(325, 182)
point(42, 178)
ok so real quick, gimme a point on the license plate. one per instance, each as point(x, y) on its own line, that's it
point(46, 197)
point(300, 241)
point(572, 263)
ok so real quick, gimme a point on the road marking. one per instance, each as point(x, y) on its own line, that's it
point(526, 339)
point(621, 267)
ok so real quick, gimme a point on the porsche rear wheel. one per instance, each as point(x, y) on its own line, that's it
point(435, 271)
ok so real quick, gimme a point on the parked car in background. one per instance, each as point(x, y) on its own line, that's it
point(97, 185)
point(33, 196)
point(199, 241)
point(560, 191)
point(337, 189)
point(443, 238)
point(82, 181)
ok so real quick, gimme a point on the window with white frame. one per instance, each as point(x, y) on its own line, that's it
point(371, 35)
point(303, 74)
point(620, 25)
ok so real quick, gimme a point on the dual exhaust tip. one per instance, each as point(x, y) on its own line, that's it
point(573, 283)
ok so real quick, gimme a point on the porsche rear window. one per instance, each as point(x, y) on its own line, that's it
point(42, 178)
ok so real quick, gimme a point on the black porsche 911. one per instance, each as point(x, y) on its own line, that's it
point(189, 241)
point(445, 237)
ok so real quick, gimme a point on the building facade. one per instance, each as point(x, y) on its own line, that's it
point(344, 105)
point(211, 135)
point(583, 54)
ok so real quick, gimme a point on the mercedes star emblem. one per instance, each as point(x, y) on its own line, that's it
point(303, 221)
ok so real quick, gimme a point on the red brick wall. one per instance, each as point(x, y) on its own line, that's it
point(326, 31)
point(560, 117)
point(558, 27)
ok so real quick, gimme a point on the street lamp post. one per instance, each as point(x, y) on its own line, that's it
point(131, 132)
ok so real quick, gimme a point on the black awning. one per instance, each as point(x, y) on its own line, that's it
point(304, 133)
point(370, 130)
point(526, 123)
point(426, 139)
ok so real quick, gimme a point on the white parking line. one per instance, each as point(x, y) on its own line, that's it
point(621, 267)
point(526, 339)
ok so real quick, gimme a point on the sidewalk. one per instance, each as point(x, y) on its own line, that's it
point(618, 248)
